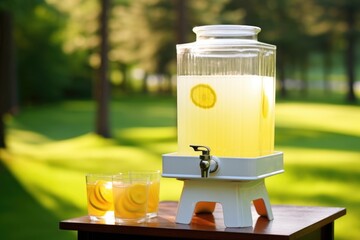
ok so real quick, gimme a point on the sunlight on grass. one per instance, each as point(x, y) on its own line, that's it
point(324, 173)
point(320, 157)
point(320, 177)
point(52, 170)
point(327, 117)
point(26, 138)
point(145, 134)
point(320, 144)
point(48, 184)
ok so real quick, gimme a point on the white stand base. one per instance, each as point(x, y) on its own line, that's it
point(234, 196)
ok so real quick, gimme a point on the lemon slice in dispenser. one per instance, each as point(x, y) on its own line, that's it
point(202, 95)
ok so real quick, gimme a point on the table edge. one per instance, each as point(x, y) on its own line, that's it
point(69, 224)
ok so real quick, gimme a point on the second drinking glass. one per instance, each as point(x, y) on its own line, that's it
point(131, 194)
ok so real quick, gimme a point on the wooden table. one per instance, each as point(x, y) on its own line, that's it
point(290, 222)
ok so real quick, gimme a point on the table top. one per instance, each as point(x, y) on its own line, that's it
point(290, 222)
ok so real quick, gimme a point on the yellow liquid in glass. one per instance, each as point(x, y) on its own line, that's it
point(231, 114)
point(130, 201)
point(99, 198)
point(153, 201)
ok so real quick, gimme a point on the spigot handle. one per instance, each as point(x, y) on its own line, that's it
point(205, 151)
point(205, 159)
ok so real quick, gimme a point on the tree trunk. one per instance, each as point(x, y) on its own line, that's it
point(2, 133)
point(350, 53)
point(181, 21)
point(144, 88)
point(124, 71)
point(102, 83)
point(7, 72)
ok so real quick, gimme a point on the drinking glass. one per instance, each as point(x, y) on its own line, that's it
point(99, 197)
point(131, 194)
point(154, 191)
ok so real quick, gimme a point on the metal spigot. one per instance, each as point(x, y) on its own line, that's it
point(205, 160)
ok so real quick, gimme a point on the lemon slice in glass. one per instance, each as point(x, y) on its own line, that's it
point(103, 191)
point(138, 193)
point(202, 95)
point(97, 204)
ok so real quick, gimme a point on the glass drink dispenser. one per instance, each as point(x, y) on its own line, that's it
point(226, 101)
point(226, 92)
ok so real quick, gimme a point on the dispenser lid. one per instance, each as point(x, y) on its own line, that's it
point(225, 36)
point(245, 31)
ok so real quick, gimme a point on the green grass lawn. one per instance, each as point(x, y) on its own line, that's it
point(51, 148)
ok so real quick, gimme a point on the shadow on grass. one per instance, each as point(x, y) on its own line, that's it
point(322, 186)
point(319, 180)
point(22, 217)
point(314, 139)
point(78, 117)
point(324, 174)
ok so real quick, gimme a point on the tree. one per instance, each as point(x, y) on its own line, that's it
point(145, 32)
point(92, 42)
point(181, 20)
point(8, 79)
point(142, 35)
point(8, 100)
point(343, 16)
point(280, 26)
point(350, 11)
point(102, 82)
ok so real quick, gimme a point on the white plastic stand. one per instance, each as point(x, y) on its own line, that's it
point(235, 198)
point(236, 183)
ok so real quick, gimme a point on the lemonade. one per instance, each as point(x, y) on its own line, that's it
point(231, 114)
point(130, 202)
point(153, 201)
point(99, 199)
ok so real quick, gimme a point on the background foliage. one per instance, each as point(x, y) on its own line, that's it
point(57, 42)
